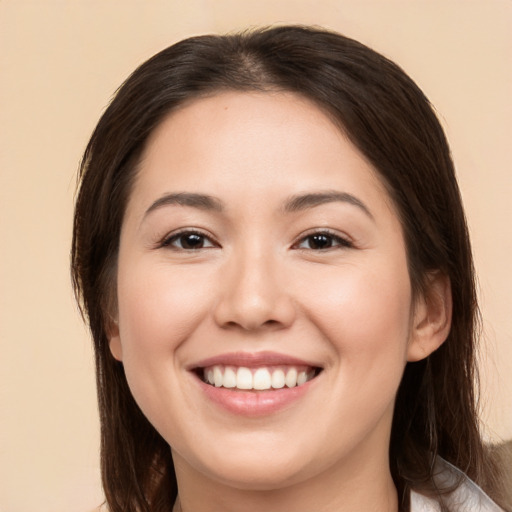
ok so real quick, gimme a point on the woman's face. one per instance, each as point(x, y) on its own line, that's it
point(260, 251)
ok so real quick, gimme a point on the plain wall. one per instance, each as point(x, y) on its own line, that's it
point(61, 61)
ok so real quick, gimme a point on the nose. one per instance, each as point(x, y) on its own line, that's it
point(253, 295)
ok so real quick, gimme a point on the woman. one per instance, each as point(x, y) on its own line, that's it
point(270, 247)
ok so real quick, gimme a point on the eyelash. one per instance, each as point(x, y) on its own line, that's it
point(170, 239)
point(335, 240)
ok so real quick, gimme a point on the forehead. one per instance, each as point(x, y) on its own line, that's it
point(276, 119)
point(236, 143)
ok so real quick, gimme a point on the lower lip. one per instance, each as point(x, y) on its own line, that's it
point(255, 403)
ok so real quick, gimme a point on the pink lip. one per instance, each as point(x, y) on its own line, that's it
point(252, 359)
point(253, 403)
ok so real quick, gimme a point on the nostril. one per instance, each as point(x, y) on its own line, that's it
point(253, 326)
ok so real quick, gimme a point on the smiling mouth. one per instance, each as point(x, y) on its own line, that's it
point(262, 378)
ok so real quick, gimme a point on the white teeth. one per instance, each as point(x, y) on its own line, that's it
point(291, 378)
point(229, 378)
point(302, 377)
point(278, 379)
point(244, 378)
point(260, 379)
point(217, 377)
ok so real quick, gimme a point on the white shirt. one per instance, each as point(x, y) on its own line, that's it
point(468, 497)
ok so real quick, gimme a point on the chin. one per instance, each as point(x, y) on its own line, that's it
point(265, 476)
point(254, 469)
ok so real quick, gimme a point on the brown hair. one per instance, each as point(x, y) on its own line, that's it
point(392, 123)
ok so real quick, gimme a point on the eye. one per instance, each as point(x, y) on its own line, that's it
point(321, 241)
point(188, 241)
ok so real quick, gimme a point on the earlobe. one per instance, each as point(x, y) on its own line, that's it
point(114, 340)
point(432, 317)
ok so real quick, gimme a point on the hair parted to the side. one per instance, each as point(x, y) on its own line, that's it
point(392, 123)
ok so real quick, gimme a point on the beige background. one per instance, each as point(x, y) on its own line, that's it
point(61, 61)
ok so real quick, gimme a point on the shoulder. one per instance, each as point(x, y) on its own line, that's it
point(467, 496)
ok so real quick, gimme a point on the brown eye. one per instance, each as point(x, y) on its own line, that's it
point(188, 241)
point(322, 241)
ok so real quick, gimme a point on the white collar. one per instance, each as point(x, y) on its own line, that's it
point(467, 497)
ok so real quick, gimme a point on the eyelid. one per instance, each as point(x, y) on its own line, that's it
point(166, 241)
point(344, 241)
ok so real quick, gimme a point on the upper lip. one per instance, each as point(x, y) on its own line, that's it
point(253, 359)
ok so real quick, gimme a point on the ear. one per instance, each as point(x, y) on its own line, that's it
point(432, 317)
point(114, 339)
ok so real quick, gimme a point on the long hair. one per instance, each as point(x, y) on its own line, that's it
point(391, 122)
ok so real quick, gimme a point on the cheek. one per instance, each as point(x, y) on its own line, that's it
point(158, 307)
point(365, 317)
point(364, 311)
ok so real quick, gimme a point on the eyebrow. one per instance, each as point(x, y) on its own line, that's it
point(200, 201)
point(305, 201)
point(295, 203)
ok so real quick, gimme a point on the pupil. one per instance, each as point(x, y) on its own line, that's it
point(192, 241)
point(321, 242)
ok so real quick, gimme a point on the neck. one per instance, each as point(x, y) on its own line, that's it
point(347, 488)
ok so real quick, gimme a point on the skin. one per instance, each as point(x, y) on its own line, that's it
point(259, 284)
